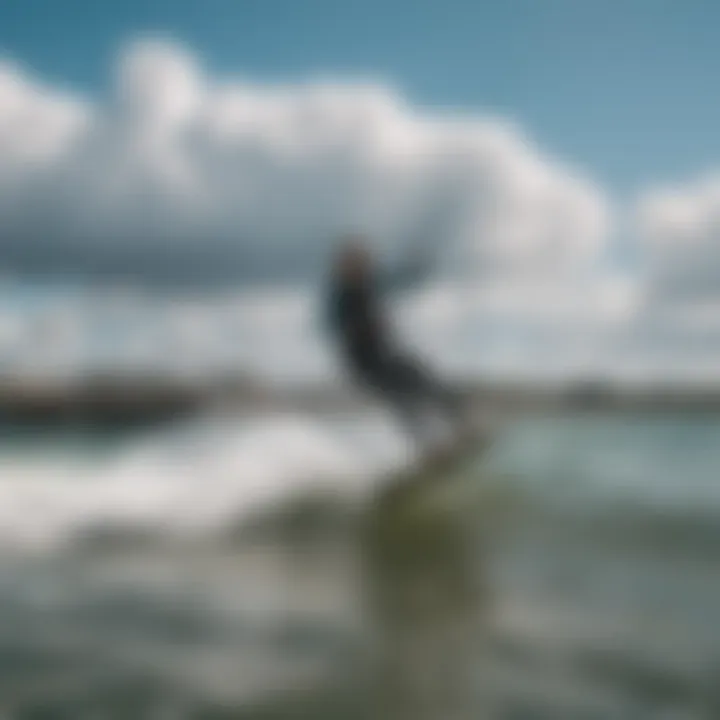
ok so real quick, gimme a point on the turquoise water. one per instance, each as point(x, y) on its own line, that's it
point(599, 592)
point(665, 461)
point(660, 459)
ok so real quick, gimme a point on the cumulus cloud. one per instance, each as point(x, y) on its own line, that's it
point(680, 228)
point(185, 177)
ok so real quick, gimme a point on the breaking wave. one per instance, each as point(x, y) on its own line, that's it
point(195, 478)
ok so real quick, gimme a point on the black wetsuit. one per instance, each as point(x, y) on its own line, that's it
point(358, 321)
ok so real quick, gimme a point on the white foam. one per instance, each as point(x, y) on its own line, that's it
point(195, 478)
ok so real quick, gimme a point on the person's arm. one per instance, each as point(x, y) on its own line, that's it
point(413, 272)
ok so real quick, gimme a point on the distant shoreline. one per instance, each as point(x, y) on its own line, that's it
point(114, 400)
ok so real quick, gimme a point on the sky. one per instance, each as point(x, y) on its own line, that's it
point(623, 87)
point(562, 156)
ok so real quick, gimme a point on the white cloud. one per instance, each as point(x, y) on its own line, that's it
point(190, 177)
point(37, 125)
point(676, 329)
point(680, 230)
point(187, 177)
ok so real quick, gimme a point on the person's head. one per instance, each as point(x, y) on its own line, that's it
point(353, 260)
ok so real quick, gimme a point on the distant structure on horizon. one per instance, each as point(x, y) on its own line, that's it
point(113, 399)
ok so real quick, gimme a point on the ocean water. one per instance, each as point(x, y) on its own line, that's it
point(218, 568)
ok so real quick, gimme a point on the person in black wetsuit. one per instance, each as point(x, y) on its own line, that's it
point(359, 324)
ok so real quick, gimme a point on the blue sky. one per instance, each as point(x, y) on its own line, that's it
point(592, 244)
point(625, 89)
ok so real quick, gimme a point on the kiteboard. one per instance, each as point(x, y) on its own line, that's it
point(415, 529)
point(424, 579)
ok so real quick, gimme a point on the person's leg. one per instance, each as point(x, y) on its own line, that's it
point(417, 382)
point(383, 376)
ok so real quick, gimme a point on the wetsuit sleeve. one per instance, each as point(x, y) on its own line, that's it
point(406, 276)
